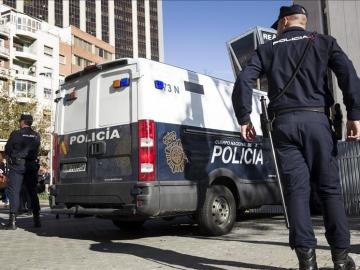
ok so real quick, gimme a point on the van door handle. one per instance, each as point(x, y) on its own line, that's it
point(97, 148)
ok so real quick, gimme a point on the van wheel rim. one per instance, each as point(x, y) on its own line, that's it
point(220, 210)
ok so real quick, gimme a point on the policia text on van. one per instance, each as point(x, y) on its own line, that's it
point(137, 139)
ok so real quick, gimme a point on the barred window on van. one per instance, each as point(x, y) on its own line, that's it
point(194, 87)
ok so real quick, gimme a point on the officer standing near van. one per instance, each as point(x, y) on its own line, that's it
point(22, 150)
point(304, 141)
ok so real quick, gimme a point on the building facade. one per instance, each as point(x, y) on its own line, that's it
point(29, 65)
point(133, 27)
point(339, 19)
point(79, 49)
point(29, 57)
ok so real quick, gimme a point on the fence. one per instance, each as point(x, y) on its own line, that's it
point(349, 169)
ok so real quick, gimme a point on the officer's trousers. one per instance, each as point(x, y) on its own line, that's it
point(306, 151)
point(16, 179)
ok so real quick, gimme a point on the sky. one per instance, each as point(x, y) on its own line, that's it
point(196, 31)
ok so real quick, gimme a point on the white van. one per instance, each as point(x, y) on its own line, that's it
point(137, 139)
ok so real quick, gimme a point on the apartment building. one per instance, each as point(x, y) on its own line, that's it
point(134, 27)
point(79, 49)
point(29, 57)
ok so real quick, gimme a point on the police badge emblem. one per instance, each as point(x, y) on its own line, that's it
point(175, 155)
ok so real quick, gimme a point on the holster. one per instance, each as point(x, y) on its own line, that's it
point(337, 122)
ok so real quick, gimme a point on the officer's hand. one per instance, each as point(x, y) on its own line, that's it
point(353, 130)
point(248, 132)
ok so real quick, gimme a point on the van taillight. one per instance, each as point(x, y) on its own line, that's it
point(55, 158)
point(147, 150)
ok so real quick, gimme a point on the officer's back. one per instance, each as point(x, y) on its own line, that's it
point(23, 147)
point(310, 89)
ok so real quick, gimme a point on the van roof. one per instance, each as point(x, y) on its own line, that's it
point(123, 62)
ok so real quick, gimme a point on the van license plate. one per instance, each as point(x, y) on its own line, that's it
point(73, 167)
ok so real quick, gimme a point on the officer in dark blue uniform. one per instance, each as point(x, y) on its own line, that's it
point(302, 134)
point(22, 149)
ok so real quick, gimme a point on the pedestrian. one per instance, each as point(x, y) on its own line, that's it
point(304, 141)
point(3, 181)
point(22, 150)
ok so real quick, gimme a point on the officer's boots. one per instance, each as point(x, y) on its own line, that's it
point(342, 260)
point(37, 222)
point(11, 224)
point(307, 258)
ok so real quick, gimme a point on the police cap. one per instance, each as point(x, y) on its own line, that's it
point(26, 117)
point(289, 10)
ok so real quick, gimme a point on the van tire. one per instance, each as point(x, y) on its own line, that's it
point(128, 225)
point(218, 213)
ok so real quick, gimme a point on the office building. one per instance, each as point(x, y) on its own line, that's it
point(133, 27)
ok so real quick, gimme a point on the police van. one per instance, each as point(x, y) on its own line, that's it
point(137, 139)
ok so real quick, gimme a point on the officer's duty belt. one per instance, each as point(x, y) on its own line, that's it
point(276, 113)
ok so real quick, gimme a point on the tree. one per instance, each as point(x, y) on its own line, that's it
point(10, 111)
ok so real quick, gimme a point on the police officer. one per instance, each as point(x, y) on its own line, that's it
point(22, 149)
point(302, 134)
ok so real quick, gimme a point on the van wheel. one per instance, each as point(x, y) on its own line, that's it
point(218, 213)
point(128, 225)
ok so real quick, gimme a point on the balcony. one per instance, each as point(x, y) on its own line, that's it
point(4, 31)
point(24, 91)
point(26, 74)
point(25, 54)
point(25, 33)
point(4, 73)
point(4, 52)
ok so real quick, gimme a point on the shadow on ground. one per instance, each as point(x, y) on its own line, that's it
point(107, 237)
point(172, 258)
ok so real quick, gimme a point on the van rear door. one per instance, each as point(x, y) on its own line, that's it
point(111, 134)
point(71, 126)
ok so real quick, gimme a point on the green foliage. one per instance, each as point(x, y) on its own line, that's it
point(10, 111)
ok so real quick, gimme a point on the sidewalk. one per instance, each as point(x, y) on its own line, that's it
point(90, 243)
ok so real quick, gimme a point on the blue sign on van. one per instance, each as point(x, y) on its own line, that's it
point(167, 87)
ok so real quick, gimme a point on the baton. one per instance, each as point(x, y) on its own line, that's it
point(267, 126)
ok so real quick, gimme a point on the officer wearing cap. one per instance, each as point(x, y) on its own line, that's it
point(302, 135)
point(22, 149)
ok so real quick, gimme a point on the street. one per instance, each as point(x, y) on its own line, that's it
point(88, 243)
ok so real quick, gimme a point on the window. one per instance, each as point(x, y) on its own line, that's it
point(25, 89)
point(102, 53)
point(48, 50)
point(27, 24)
point(61, 79)
point(74, 12)
point(62, 59)
point(90, 17)
point(79, 61)
point(105, 20)
point(59, 13)
point(47, 72)
point(47, 93)
point(78, 42)
point(38, 9)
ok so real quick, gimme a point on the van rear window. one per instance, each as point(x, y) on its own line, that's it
point(194, 87)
